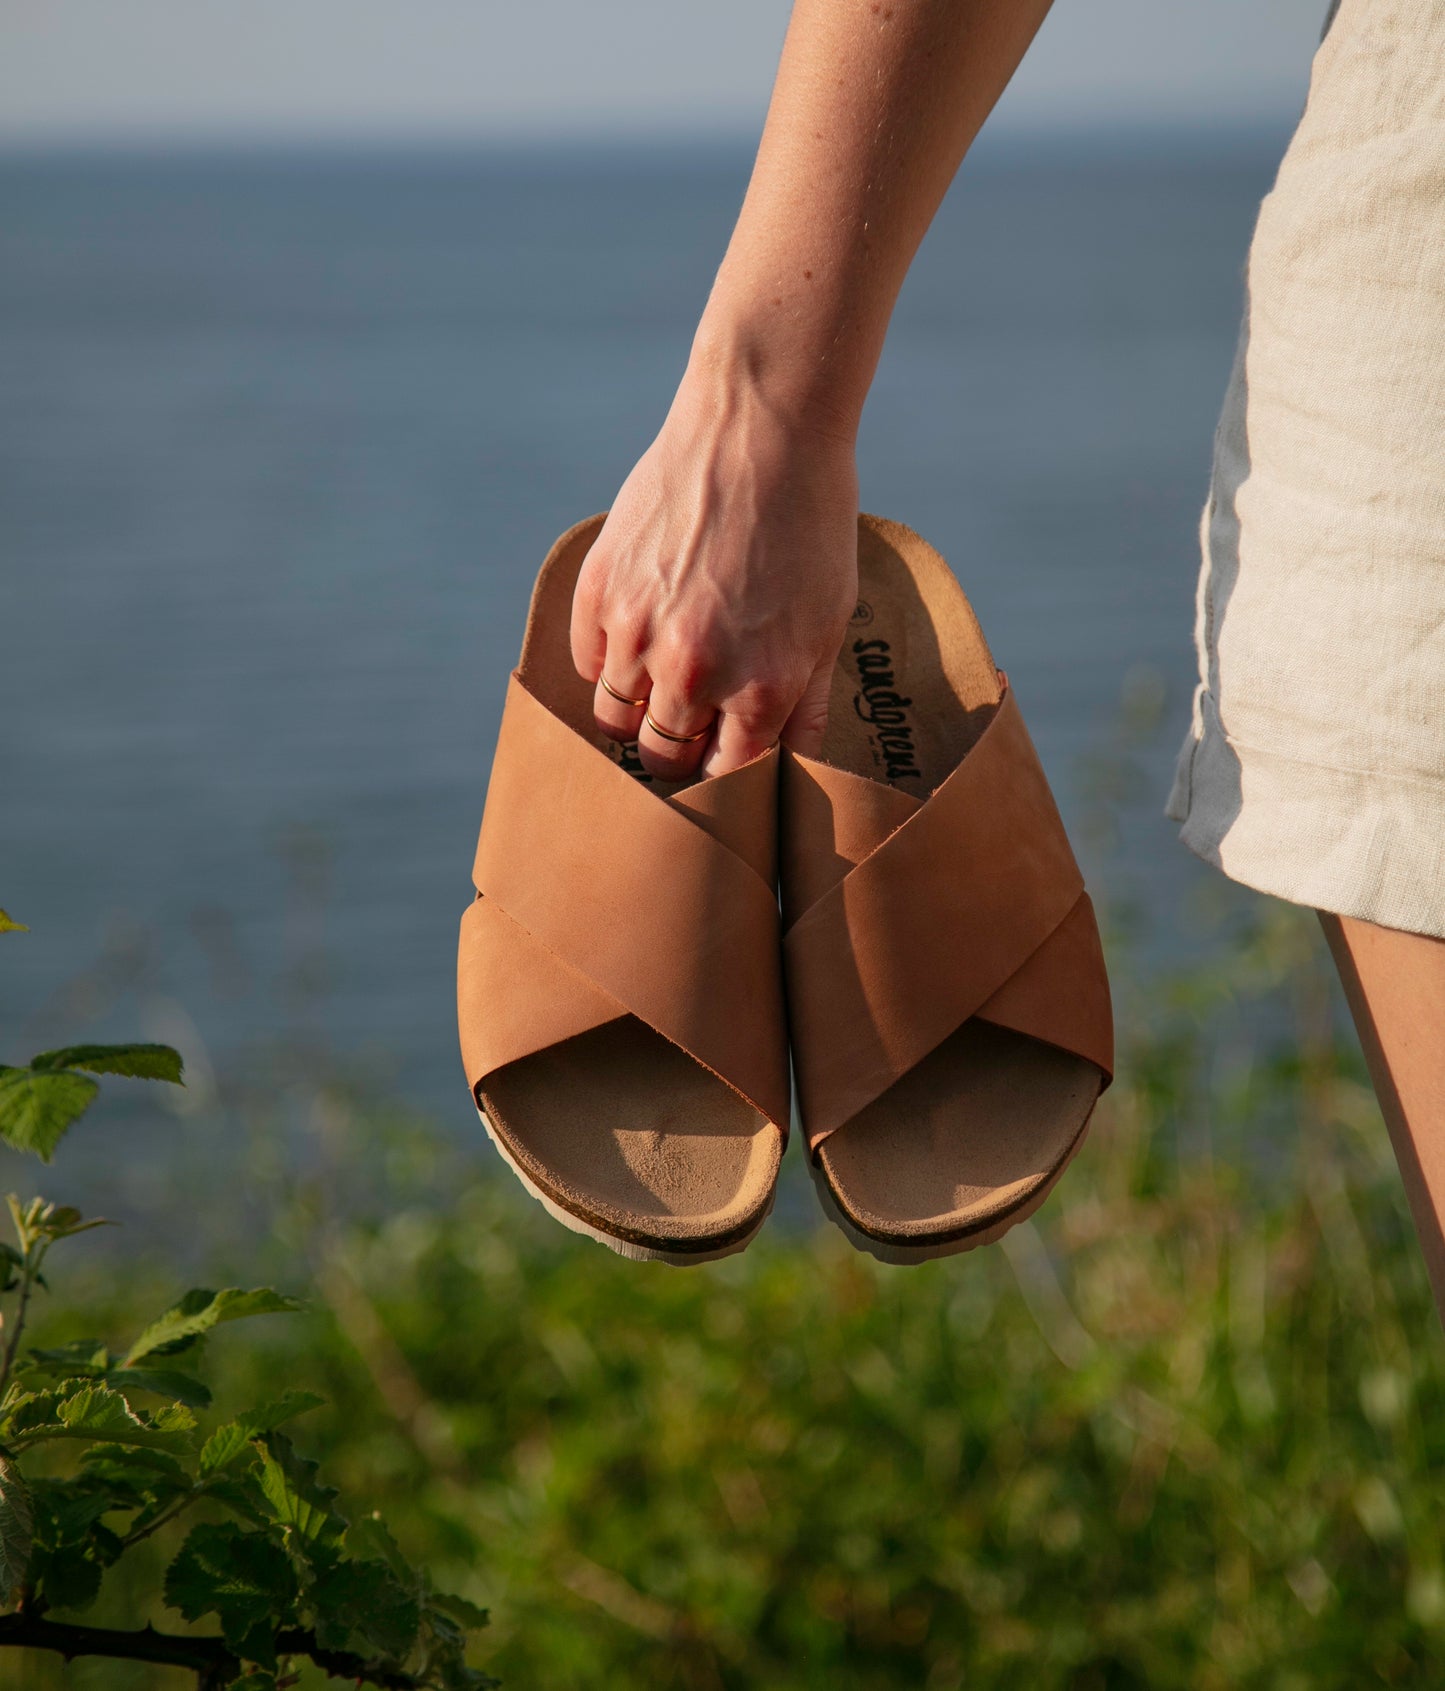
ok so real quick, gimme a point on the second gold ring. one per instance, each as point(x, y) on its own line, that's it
point(667, 733)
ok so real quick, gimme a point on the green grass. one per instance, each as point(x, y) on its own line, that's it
point(1187, 1429)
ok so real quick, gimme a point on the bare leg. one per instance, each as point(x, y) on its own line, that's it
point(1395, 984)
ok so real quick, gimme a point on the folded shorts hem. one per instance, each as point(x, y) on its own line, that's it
point(1365, 845)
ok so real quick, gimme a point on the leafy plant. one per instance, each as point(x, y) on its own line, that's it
point(279, 1569)
point(1184, 1431)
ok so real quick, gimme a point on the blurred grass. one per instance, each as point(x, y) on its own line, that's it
point(1185, 1430)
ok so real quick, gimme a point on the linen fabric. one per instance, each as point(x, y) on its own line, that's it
point(1314, 766)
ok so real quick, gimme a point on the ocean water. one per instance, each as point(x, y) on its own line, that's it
point(283, 440)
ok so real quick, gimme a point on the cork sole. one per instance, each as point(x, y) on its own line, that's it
point(633, 1251)
point(972, 1138)
point(621, 1135)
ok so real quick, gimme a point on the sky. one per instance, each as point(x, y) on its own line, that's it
point(369, 70)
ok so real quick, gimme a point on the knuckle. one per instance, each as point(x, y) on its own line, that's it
point(626, 626)
point(764, 701)
point(689, 665)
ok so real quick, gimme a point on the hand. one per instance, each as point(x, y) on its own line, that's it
point(720, 587)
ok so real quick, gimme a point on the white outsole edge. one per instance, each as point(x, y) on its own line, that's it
point(623, 1247)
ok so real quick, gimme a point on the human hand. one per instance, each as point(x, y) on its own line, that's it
point(721, 584)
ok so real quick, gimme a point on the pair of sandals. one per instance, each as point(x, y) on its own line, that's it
point(629, 988)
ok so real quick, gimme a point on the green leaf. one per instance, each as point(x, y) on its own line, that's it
point(36, 1109)
point(68, 1578)
point(136, 1460)
point(465, 1614)
point(445, 1657)
point(64, 1511)
point(230, 1440)
point(11, 1262)
point(297, 1499)
point(273, 1415)
point(60, 1221)
point(8, 925)
point(201, 1310)
point(242, 1496)
point(244, 1578)
point(135, 1478)
point(164, 1382)
point(360, 1606)
point(369, 1539)
point(86, 1357)
point(258, 1681)
point(223, 1447)
point(141, 1062)
point(16, 1524)
point(81, 1411)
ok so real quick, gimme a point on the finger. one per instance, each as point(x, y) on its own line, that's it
point(621, 718)
point(589, 639)
point(737, 740)
point(674, 736)
point(808, 721)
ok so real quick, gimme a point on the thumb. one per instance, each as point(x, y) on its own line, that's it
point(804, 729)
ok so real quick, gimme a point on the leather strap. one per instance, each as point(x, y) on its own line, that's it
point(601, 898)
point(908, 917)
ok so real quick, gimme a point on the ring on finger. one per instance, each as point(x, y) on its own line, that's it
point(622, 698)
point(667, 733)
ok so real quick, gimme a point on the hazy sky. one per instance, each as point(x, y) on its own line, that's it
point(281, 69)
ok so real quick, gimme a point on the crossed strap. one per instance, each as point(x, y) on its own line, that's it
point(599, 898)
point(914, 915)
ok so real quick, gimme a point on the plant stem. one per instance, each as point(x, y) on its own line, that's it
point(27, 1281)
point(201, 1655)
point(164, 1519)
point(210, 1658)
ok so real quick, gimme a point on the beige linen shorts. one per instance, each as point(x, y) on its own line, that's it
point(1314, 767)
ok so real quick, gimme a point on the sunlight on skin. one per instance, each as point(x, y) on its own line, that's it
point(722, 582)
point(1395, 984)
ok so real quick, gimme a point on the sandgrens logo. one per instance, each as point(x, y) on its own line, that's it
point(879, 704)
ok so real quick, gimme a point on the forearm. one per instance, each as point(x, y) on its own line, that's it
point(718, 592)
point(875, 104)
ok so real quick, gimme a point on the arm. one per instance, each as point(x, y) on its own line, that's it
point(724, 577)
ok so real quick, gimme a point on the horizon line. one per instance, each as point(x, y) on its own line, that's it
point(132, 144)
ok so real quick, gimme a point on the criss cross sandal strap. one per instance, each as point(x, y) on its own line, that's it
point(598, 899)
point(908, 917)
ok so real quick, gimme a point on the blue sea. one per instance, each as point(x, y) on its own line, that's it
point(283, 440)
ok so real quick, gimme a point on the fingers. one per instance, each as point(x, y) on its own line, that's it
point(589, 642)
point(734, 743)
point(749, 726)
point(610, 658)
point(621, 718)
point(693, 693)
point(687, 733)
point(808, 721)
point(675, 734)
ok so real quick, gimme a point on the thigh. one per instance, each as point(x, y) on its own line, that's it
point(1395, 984)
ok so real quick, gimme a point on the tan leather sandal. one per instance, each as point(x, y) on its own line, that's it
point(619, 988)
point(948, 1005)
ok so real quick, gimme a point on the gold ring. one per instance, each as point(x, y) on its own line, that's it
point(667, 733)
point(622, 698)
